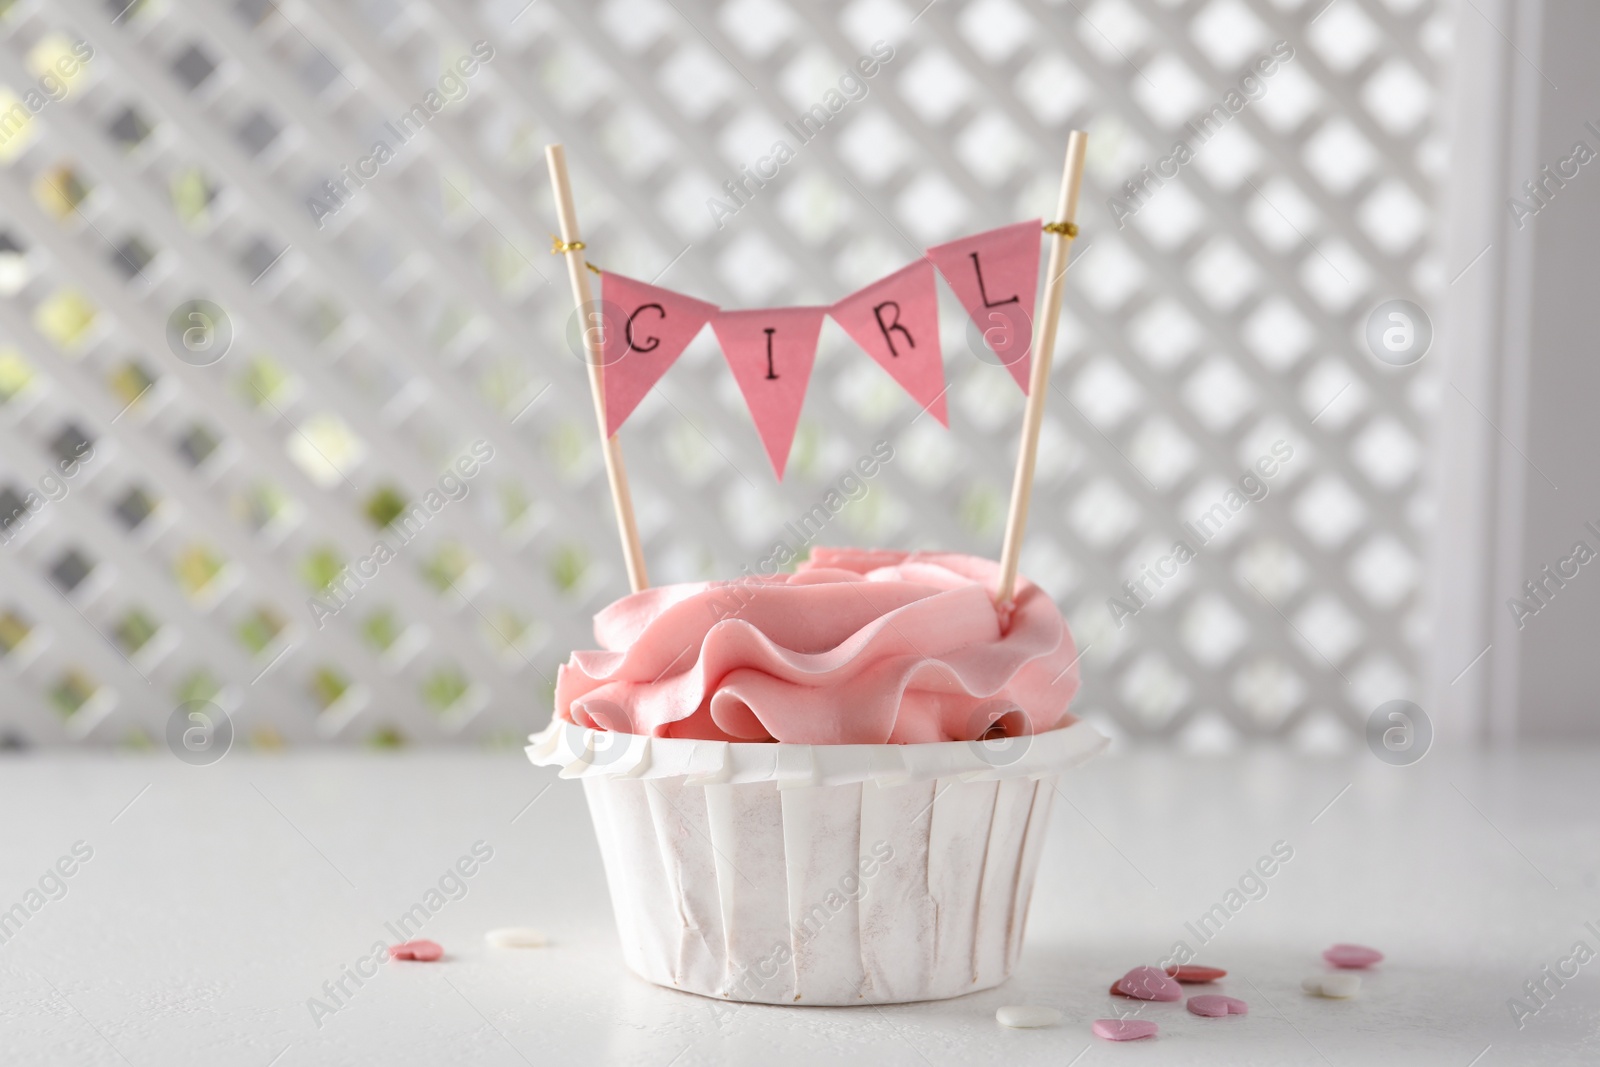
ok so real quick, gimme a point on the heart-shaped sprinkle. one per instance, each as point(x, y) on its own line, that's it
point(1149, 983)
point(1026, 1016)
point(1124, 1029)
point(1352, 956)
point(516, 937)
point(416, 950)
point(1192, 974)
point(1215, 1005)
point(1116, 990)
point(1337, 986)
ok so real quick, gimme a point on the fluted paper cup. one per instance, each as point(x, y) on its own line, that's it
point(819, 874)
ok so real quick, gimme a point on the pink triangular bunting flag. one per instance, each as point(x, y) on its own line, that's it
point(645, 329)
point(995, 275)
point(896, 319)
point(771, 351)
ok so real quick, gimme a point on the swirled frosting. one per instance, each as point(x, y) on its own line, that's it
point(855, 647)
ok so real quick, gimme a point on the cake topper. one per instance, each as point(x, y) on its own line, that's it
point(637, 331)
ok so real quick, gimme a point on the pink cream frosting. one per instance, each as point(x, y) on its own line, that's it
point(855, 647)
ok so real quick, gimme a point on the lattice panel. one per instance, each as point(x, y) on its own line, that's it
point(387, 330)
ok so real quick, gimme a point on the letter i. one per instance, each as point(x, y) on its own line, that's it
point(772, 375)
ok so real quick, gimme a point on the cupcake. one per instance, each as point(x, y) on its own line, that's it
point(828, 787)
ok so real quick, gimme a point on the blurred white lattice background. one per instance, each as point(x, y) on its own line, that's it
point(421, 314)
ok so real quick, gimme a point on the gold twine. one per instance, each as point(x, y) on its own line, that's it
point(1065, 229)
point(559, 247)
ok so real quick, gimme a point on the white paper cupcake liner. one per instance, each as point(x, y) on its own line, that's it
point(819, 874)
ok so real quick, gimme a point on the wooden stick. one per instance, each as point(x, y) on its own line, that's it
point(1044, 347)
point(616, 474)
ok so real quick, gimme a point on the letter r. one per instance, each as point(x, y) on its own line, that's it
point(889, 327)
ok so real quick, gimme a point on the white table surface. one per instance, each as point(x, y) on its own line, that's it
point(222, 898)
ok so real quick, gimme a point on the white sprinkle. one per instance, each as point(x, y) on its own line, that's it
point(1337, 986)
point(516, 937)
point(1026, 1016)
point(1341, 986)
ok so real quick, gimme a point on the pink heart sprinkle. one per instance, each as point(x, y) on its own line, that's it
point(416, 950)
point(1352, 956)
point(1215, 1005)
point(1193, 974)
point(1124, 1029)
point(1149, 983)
